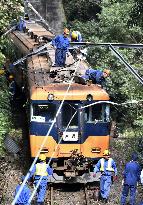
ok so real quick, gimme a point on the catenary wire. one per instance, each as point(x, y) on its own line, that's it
point(28, 174)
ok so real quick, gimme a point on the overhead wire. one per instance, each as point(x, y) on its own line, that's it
point(42, 145)
point(39, 181)
point(34, 162)
point(99, 102)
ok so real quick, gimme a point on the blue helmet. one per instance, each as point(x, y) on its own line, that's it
point(134, 156)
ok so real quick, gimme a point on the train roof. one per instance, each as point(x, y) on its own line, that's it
point(43, 78)
point(76, 92)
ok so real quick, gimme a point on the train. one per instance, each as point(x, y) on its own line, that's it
point(81, 131)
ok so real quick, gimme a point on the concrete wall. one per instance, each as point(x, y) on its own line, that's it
point(52, 11)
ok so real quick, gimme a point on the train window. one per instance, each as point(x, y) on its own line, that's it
point(45, 111)
point(98, 112)
point(68, 111)
point(93, 113)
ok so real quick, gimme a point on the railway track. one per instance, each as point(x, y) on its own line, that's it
point(71, 195)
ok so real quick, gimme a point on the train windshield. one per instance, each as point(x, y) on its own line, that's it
point(97, 112)
point(44, 112)
point(70, 115)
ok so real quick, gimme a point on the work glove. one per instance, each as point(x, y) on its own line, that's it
point(94, 175)
point(115, 178)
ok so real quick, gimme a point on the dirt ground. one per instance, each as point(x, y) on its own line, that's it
point(12, 167)
point(11, 170)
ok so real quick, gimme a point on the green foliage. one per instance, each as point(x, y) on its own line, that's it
point(118, 21)
point(9, 10)
point(5, 122)
point(82, 10)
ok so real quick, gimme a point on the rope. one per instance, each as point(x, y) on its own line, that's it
point(99, 102)
point(34, 162)
point(32, 53)
point(35, 189)
point(112, 103)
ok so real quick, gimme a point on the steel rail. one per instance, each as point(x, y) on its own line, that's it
point(127, 65)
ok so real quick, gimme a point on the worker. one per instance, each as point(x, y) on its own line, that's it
point(12, 86)
point(108, 169)
point(41, 170)
point(21, 26)
point(2, 71)
point(131, 177)
point(25, 193)
point(141, 177)
point(96, 76)
point(61, 44)
point(76, 36)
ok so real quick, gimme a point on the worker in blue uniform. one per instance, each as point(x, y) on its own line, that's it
point(131, 176)
point(108, 169)
point(24, 195)
point(76, 36)
point(21, 26)
point(61, 43)
point(96, 76)
point(41, 169)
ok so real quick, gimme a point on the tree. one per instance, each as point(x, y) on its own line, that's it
point(116, 23)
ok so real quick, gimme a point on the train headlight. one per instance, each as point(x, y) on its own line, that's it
point(89, 97)
point(50, 97)
point(96, 150)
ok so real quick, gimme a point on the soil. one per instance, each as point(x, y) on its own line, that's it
point(12, 167)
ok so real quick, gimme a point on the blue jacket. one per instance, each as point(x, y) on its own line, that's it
point(61, 42)
point(96, 76)
point(132, 173)
point(107, 173)
point(24, 195)
point(49, 171)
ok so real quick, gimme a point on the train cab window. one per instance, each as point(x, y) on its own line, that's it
point(44, 112)
point(98, 112)
point(68, 111)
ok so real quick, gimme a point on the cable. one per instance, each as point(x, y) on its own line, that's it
point(50, 131)
point(35, 189)
point(34, 162)
point(109, 102)
point(32, 53)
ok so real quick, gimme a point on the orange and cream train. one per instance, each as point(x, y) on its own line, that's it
point(87, 135)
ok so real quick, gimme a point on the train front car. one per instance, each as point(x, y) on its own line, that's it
point(80, 133)
point(81, 130)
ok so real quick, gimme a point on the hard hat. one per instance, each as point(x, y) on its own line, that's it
point(42, 157)
point(108, 72)
point(106, 152)
point(74, 35)
point(2, 71)
point(66, 31)
point(11, 77)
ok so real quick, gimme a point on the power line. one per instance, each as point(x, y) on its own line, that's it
point(34, 162)
point(50, 159)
